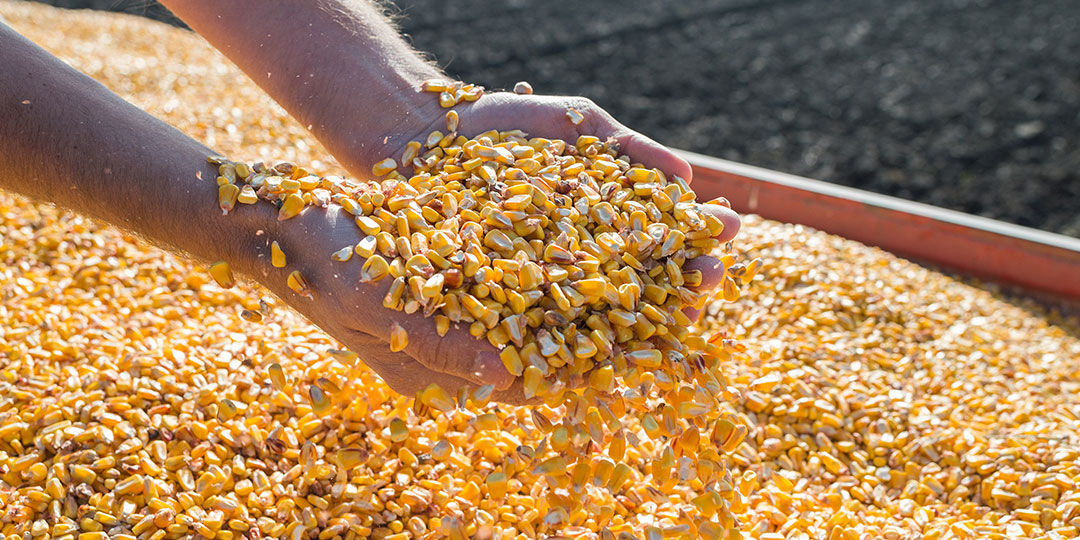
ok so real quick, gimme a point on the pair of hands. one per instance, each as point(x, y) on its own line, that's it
point(352, 311)
point(344, 71)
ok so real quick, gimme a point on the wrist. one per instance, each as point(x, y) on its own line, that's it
point(360, 129)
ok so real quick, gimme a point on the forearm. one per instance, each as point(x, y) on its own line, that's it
point(336, 65)
point(66, 139)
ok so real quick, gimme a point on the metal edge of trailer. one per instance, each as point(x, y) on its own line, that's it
point(1044, 264)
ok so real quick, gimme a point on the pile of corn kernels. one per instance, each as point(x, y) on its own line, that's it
point(883, 399)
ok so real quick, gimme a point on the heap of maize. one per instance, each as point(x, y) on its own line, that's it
point(883, 400)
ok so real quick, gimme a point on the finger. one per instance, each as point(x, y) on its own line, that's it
point(712, 272)
point(638, 147)
point(457, 353)
point(712, 276)
point(653, 154)
point(728, 217)
point(404, 375)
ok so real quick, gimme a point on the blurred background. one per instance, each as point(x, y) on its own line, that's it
point(972, 105)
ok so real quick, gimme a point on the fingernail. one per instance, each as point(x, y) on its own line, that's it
point(489, 369)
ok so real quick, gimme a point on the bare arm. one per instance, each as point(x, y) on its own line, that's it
point(337, 66)
point(66, 139)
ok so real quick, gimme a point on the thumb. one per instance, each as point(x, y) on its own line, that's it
point(652, 154)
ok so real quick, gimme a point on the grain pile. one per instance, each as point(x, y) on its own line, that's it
point(883, 399)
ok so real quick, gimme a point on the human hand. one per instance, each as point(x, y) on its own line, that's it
point(354, 313)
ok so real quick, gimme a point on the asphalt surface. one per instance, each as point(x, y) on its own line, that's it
point(968, 104)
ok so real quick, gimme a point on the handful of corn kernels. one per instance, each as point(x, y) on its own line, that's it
point(568, 259)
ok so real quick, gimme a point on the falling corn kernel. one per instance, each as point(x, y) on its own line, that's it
point(731, 289)
point(328, 385)
point(751, 270)
point(575, 116)
point(251, 315)
point(435, 397)
point(320, 403)
point(452, 120)
point(496, 485)
point(348, 357)
point(399, 431)
point(222, 274)
point(399, 338)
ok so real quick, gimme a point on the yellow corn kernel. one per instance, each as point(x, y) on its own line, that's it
point(512, 360)
point(277, 376)
point(222, 274)
point(399, 338)
point(434, 85)
point(496, 485)
point(298, 284)
point(374, 269)
point(290, 206)
point(226, 410)
point(731, 289)
point(435, 397)
point(247, 195)
point(227, 195)
point(384, 167)
point(319, 401)
point(277, 256)
point(398, 430)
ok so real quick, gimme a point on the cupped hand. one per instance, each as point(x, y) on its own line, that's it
point(352, 311)
point(537, 116)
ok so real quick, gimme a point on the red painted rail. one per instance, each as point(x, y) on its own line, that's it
point(1042, 263)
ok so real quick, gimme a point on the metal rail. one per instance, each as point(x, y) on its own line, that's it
point(1042, 263)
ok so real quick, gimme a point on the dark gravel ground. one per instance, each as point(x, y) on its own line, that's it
point(968, 104)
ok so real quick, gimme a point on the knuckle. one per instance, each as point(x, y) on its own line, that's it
point(583, 104)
